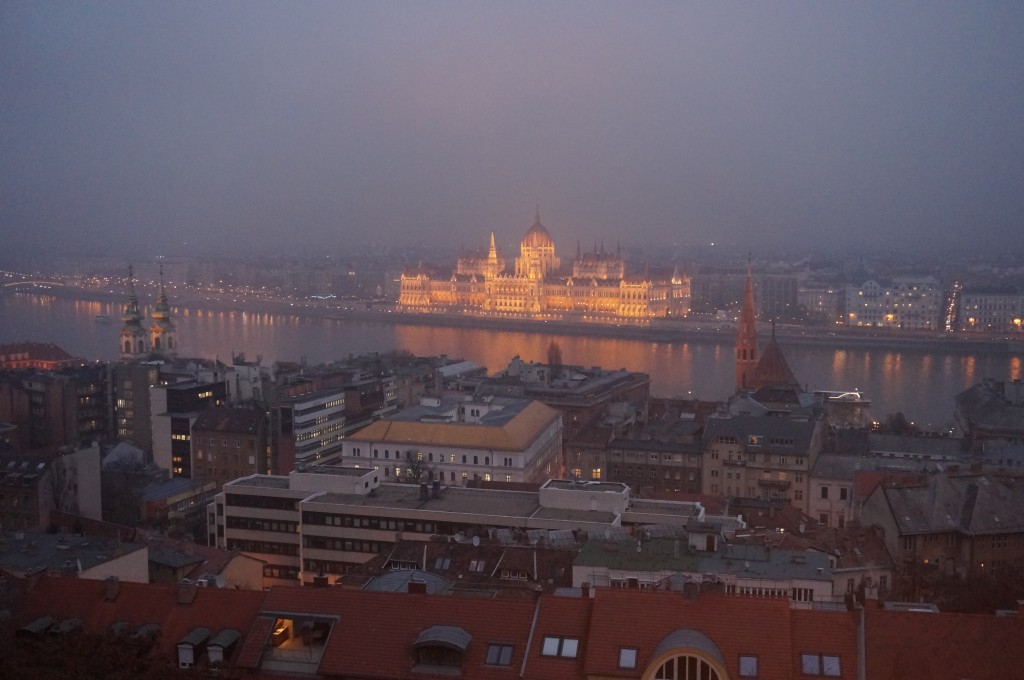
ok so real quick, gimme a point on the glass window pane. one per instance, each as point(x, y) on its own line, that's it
point(810, 664)
point(569, 646)
point(627, 657)
point(550, 646)
point(830, 665)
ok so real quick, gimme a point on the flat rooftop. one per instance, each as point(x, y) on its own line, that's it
point(25, 551)
point(570, 485)
point(260, 481)
point(453, 499)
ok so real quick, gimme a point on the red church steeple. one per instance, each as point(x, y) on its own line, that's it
point(746, 338)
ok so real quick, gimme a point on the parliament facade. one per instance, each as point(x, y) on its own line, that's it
point(595, 286)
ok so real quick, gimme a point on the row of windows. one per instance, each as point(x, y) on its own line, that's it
point(345, 544)
point(441, 458)
point(265, 547)
point(280, 571)
point(327, 567)
point(266, 502)
point(379, 523)
point(257, 524)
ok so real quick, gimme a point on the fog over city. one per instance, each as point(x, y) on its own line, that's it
point(186, 127)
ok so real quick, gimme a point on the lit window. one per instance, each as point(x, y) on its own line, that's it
point(748, 666)
point(558, 646)
point(627, 657)
point(499, 655)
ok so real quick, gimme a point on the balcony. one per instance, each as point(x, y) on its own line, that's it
point(772, 483)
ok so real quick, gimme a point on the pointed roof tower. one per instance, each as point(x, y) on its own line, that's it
point(772, 368)
point(133, 335)
point(746, 337)
point(161, 332)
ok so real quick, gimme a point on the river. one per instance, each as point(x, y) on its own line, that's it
point(919, 382)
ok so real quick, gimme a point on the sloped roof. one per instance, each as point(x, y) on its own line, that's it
point(801, 430)
point(772, 369)
point(515, 434)
point(142, 603)
point(992, 406)
point(736, 625)
point(366, 618)
point(921, 645)
point(971, 504)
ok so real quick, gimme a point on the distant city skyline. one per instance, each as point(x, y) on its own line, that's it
point(177, 128)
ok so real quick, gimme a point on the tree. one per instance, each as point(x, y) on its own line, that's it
point(414, 468)
point(554, 358)
point(897, 423)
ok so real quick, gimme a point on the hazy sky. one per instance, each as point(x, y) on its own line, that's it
point(151, 125)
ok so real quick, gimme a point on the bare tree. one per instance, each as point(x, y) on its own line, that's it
point(554, 359)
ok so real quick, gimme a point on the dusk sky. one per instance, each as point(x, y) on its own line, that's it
point(190, 127)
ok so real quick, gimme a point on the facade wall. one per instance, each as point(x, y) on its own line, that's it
point(459, 465)
point(991, 312)
point(133, 567)
point(907, 303)
point(830, 501)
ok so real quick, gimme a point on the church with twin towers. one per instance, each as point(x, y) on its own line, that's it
point(136, 340)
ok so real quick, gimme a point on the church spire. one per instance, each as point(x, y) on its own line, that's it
point(161, 332)
point(746, 336)
point(133, 335)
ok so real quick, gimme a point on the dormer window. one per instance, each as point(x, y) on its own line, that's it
point(499, 655)
point(821, 664)
point(440, 648)
point(560, 646)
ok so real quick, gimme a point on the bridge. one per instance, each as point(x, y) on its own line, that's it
point(37, 283)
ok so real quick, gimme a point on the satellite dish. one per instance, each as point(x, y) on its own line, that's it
point(476, 541)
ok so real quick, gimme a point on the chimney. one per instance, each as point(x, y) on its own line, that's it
point(112, 586)
point(437, 488)
point(418, 586)
point(585, 589)
point(424, 493)
point(186, 591)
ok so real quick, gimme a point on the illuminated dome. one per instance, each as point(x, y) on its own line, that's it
point(538, 236)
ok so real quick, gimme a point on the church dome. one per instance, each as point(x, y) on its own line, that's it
point(538, 236)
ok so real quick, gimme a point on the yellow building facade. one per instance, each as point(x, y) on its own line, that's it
point(595, 287)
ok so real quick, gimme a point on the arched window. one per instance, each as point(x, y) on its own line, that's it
point(686, 654)
point(127, 346)
point(156, 342)
point(685, 667)
point(170, 342)
point(142, 347)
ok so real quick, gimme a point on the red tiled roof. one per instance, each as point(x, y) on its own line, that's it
point(252, 650)
point(369, 618)
point(140, 603)
point(560, 617)
point(736, 625)
point(34, 354)
point(924, 645)
point(824, 633)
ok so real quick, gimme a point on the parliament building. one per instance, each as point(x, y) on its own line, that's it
point(594, 287)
